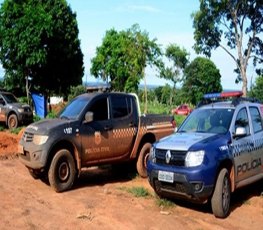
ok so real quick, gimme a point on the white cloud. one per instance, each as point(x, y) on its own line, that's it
point(136, 8)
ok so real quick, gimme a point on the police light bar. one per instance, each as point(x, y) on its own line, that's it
point(223, 94)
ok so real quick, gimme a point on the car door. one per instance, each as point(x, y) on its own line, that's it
point(125, 119)
point(257, 153)
point(95, 135)
point(242, 146)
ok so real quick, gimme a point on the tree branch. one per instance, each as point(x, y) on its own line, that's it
point(228, 52)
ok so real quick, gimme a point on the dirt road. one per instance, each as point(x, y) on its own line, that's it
point(99, 200)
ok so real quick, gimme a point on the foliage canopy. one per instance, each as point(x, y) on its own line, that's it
point(201, 76)
point(179, 58)
point(239, 23)
point(257, 89)
point(39, 42)
point(123, 56)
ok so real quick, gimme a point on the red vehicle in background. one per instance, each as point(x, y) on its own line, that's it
point(183, 109)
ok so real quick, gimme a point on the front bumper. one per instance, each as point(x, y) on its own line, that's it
point(25, 118)
point(33, 157)
point(183, 186)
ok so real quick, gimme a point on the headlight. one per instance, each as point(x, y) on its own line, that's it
point(39, 139)
point(152, 155)
point(195, 158)
point(20, 110)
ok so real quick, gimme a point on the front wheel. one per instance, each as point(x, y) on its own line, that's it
point(142, 159)
point(12, 121)
point(62, 171)
point(220, 201)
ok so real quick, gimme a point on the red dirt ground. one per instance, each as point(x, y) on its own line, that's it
point(99, 200)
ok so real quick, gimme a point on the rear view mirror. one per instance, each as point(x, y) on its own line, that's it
point(88, 117)
point(240, 132)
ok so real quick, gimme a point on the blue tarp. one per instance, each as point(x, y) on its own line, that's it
point(40, 105)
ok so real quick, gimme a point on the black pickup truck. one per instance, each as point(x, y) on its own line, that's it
point(93, 129)
point(12, 112)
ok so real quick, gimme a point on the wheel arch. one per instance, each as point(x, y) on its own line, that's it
point(64, 144)
point(228, 164)
point(147, 138)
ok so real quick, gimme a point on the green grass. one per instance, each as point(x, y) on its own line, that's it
point(164, 203)
point(16, 130)
point(137, 191)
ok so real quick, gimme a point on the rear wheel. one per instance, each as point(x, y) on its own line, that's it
point(12, 121)
point(220, 201)
point(62, 171)
point(142, 159)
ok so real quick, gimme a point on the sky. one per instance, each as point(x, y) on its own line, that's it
point(168, 21)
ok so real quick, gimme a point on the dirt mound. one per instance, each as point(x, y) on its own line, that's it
point(8, 144)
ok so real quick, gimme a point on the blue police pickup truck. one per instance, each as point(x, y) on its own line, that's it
point(217, 149)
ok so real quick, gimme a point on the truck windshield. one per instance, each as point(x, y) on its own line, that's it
point(73, 109)
point(212, 120)
point(10, 98)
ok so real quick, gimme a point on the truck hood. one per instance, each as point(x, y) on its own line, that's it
point(46, 125)
point(18, 105)
point(182, 141)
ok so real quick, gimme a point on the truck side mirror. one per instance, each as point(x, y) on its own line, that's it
point(240, 132)
point(88, 117)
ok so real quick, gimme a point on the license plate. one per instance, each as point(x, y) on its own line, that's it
point(166, 176)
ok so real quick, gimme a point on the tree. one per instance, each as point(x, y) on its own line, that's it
point(39, 42)
point(237, 22)
point(257, 89)
point(179, 58)
point(200, 76)
point(123, 57)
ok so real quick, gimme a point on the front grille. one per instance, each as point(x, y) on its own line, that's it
point(28, 137)
point(27, 109)
point(177, 157)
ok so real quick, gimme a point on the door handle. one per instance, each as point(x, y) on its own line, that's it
point(131, 124)
point(106, 128)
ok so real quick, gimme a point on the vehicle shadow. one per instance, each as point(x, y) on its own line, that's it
point(238, 198)
point(242, 195)
point(105, 175)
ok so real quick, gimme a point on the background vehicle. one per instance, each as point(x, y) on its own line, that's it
point(12, 112)
point(216, 150)
point(94, 129)
point(182, 110)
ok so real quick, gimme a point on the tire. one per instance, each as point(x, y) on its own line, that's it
point(62, 171)
point(142, 160)
point(12, 121)
point(220, 201)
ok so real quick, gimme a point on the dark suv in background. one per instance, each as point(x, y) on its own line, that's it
point(12, 112)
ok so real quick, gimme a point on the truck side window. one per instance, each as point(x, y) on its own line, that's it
point(2, 102)
point(121, 106)
point(256, 119)
point(100, 109)
point(242, 120)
